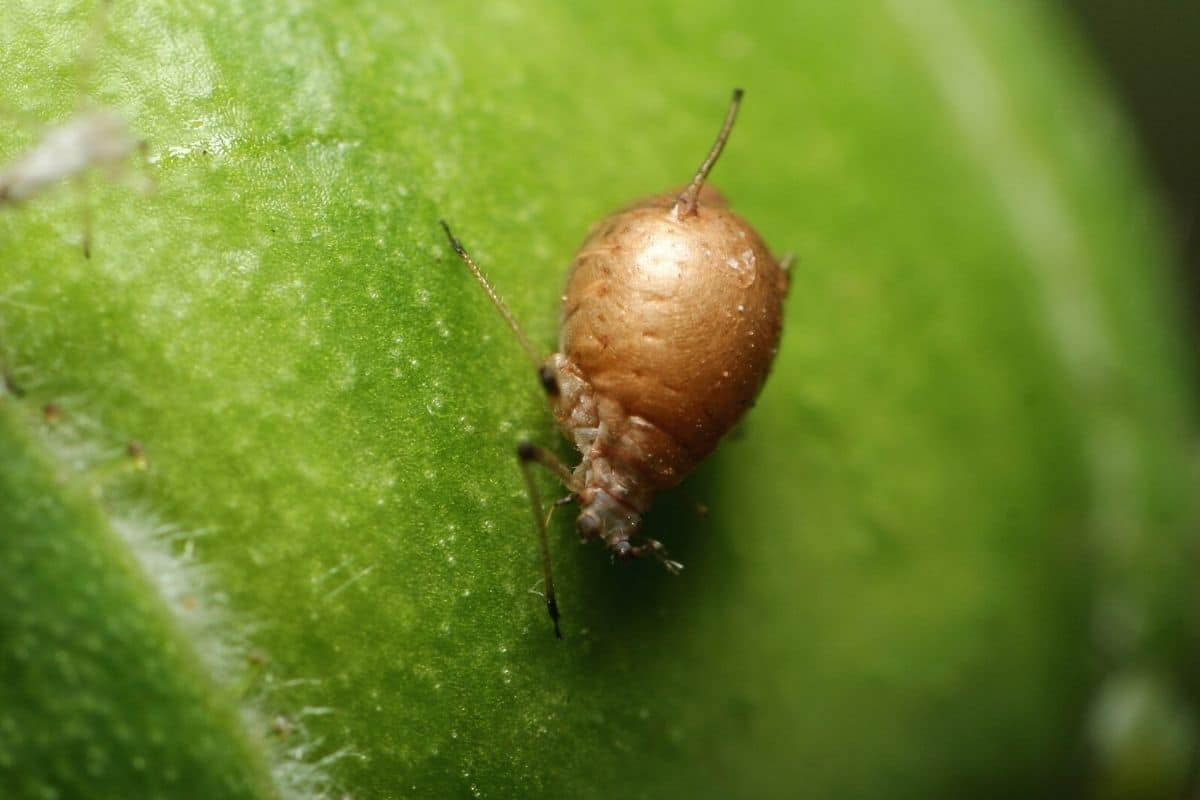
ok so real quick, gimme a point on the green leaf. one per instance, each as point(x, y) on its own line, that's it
point(99, 692)
point(960, 513)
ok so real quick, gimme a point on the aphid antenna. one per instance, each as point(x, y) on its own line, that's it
point(88, 222)
point(685, 205)
point(495, 298)
point(85, 61)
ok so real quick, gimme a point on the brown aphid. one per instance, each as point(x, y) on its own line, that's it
point(670, 321)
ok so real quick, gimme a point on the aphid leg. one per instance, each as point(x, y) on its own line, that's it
point(685, 205)
point(496, 301)
point(85, 59)
point(141, 182)
point(146, 183)
point(562, 501)
point(695, 504)
point(528, 454)
point(656, 548)
point(10, 384)
point(86, 211)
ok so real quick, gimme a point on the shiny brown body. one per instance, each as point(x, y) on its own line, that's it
point(670, 323)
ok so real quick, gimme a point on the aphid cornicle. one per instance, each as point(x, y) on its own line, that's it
point(670, 321)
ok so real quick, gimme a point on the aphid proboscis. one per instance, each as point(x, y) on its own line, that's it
point(670, 321)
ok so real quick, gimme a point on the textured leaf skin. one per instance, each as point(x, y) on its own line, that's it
point(961, 504)
point(99, 696)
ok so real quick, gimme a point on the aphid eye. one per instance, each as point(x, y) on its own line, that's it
point(549, 380)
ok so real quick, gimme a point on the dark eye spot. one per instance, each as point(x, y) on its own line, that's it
point(548, 380)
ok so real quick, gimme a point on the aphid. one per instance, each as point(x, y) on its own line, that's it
point(670, 321)
point(94, 138)
point(98, 138)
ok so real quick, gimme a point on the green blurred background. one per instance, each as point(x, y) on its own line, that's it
point(951, 553)
point(1149, 54)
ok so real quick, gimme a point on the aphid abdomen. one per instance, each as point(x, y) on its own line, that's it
point(677, 321)
point(623, 453)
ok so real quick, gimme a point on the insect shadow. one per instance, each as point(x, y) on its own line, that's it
point(620, 602)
